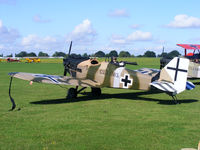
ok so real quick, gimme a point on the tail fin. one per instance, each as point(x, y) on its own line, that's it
point(173, 76)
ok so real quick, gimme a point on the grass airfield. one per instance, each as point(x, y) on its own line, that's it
point(119, 119)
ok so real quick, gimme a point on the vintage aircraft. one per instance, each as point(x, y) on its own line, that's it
point(86, 72)
point(12, 60)
point(194, 57)
point(30, 60)
point(194, 51)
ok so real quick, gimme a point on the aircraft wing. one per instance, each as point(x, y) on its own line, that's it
point(148, 71)
point(189, 46)
point(54, 79)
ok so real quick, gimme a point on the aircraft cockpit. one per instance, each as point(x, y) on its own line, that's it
point(94, 61)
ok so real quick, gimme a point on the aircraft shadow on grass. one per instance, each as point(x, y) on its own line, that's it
point(130, 96)
point(196, 83)
point(193, 80)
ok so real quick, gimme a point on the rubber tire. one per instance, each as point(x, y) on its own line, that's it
point(96, 92)
point(72, 93)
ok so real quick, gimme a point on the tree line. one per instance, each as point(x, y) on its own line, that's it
point(112, 53)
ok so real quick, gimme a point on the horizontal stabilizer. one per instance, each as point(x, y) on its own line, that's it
point(189, 85)
point(164, 86)
point(169, 87)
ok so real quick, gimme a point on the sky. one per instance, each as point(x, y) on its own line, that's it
point(93, 25)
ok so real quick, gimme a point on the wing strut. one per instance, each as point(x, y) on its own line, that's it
point(11, 99)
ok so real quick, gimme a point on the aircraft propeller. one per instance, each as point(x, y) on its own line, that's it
point(66, 61)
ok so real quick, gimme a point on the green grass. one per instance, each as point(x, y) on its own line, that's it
point(119, 119)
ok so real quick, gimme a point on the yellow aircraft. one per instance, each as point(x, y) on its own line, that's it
point(30, 60)
point(37, 60)
point(86, 72)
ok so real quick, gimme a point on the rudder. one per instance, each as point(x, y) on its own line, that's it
point(173, 76)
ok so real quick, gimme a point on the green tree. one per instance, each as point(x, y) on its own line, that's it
point(59, 54)
point(140, 56)
point(21, 54)
point(75, 55)
point(99, 54)
point(85, 55)
point(173, 54)
point(11, 55)
point(164, 54)
point(113, 53)
point(124, 54)
point(41, 54)
point(31, 54)
point(107, 55)
point(149, 54)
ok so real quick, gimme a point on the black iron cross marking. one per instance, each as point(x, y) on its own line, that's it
point(126, 80)
point(177, 69)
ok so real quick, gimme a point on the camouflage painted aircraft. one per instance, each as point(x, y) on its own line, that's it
point(86, 72)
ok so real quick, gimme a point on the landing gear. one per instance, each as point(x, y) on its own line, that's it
point(96, 92)
point(72, 93)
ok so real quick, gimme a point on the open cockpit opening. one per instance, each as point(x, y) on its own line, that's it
point(94, 62)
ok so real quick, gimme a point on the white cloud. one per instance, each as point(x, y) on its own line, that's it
point(135, 36)
point(140, 36)
point(83, 33)
point(39, 19)
point(117, 39)
point(184, 21)
point(1, 24)
point(8, 36)
point(119, 13)
point(84, 27)
point(32, 42)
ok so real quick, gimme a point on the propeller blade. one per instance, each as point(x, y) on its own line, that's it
point(66, 62)
point(70, 47)
point(65, 72)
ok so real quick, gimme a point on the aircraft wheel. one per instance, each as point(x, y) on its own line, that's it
point(72, 93)
point(96, 91)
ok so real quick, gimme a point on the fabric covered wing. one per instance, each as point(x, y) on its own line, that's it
point(148, 71)
point(189, 46)
point(54, 79)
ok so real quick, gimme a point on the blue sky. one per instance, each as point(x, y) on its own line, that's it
point(135, 26)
